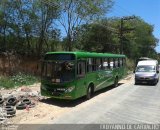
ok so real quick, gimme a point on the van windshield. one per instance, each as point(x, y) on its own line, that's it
point(146, 68)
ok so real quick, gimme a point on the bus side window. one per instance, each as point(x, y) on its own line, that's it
point(116, 63)
point(119, 65)
point(93, 64)
point(108, 59)
point(89, 65)
point(105, 63)
point(120, 62)
point(98, 64)
point(81, 68)
point(111, 63)
point(101, 64)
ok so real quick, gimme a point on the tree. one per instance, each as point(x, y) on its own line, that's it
point(4, 22)
point(100, 36)
point(44, 23)
point(96, 38)
point(26, 26)
point(103, 36)
point(76, 12)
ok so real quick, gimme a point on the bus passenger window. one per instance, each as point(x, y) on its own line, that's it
point(93, 64)
point(120, 62)
point(81, 68)
point(116, 63)
point(111, 63)
point(98, 64)
point(89, 65)
point(105, 63)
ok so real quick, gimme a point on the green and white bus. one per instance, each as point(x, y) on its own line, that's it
point(70, 75)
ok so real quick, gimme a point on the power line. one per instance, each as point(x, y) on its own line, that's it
point(123, 9)
point(115, 12)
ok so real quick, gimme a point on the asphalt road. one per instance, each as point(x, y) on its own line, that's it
point(128, 103)
point(125, 104)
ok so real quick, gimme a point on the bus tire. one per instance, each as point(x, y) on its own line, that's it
point(89, 92)
point(116, 82)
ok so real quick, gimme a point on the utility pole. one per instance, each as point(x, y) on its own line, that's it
point(122, 30)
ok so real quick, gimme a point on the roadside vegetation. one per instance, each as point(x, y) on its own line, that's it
point(17, 80)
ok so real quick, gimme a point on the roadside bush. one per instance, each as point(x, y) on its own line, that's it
point(17, 80)
point(130, 64)
point(5, 82)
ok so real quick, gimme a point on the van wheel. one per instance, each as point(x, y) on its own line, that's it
point(89, 92)
point(116, 82)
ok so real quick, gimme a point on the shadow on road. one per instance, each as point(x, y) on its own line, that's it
point(73, 103)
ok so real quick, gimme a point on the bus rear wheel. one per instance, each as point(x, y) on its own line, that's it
point(89, 93)
point(116, 82)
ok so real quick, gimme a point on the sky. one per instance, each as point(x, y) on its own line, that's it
point(148, 10)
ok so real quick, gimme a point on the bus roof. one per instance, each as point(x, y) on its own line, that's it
point(88, 54)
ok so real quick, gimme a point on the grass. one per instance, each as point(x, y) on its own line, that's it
point(17, 80)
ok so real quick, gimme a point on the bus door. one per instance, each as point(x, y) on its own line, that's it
point(81, 78)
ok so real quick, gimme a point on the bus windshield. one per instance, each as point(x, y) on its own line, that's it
point(145, 68)
point(58, 71)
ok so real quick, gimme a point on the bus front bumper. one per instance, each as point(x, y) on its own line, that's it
point(57, 93)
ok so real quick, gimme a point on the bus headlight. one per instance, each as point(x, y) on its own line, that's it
point(70, 89)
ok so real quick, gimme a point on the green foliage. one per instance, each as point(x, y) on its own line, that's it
point(27, 27)
point(130, 64)
point(96, 37)
point(17, 80)
point(34, 27)
point(30, 27)
point(104, 36)
point(6, 82)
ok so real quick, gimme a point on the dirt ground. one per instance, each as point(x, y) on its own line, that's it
point(47, 109)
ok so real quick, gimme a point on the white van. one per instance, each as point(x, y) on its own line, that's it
point(147, 71)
